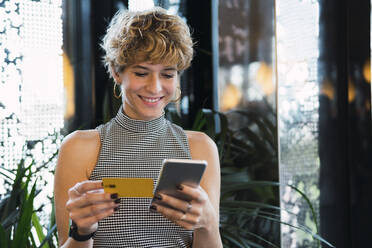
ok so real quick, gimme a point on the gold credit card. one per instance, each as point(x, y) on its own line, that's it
point(129, 187)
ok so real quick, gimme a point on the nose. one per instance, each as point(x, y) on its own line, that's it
point(154, 84)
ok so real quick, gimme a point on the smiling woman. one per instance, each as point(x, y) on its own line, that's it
point(145, 53)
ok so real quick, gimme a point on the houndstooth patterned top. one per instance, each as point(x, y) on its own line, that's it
point(135, 149)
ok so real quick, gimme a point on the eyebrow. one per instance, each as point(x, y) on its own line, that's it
point(146, 68)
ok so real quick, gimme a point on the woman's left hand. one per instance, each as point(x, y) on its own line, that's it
point(197, 213)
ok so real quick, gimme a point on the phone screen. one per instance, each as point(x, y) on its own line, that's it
point(180, 171)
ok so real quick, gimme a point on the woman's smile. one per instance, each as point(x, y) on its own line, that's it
point(151, 101)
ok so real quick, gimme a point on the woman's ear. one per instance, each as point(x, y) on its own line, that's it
point(115, 75)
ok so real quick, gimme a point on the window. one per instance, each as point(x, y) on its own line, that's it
point(31, 86)
point(298, 104)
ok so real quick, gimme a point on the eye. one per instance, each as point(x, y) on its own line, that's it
point(168, 76)
point(139, 74)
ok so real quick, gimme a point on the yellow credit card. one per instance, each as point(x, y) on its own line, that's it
point(129, 187)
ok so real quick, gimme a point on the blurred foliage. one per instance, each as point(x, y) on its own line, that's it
point(250, 213)
point(249, 205)
point(20, 225)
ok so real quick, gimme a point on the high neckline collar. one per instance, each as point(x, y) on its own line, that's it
point(139, 126)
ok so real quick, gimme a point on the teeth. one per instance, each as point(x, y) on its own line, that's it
point(151, 99)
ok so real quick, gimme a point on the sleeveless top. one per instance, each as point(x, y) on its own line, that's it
point(135, 149)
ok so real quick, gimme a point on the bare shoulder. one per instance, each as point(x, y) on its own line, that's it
point(79, 148)
point(200, 139)
point(81, 141)
point(81, 137)
point(201, 145)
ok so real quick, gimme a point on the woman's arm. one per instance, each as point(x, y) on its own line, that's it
point(204, 148)
point(76, 198)
point(201, 214)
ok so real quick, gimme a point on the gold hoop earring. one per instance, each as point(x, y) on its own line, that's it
point(115, 95)
point(179, 95)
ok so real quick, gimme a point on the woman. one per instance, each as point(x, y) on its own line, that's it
point(145, 54)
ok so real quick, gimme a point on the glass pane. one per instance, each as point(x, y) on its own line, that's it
point(246, 35)
point(298, 104)
point(134, 5)
point(247, 97)
point(32, 102)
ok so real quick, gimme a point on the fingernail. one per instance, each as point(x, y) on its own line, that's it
point(153, 207)
point(179, 187)
point(117, 201)
point(116, 209)
point(114, 196)
point(158, 197)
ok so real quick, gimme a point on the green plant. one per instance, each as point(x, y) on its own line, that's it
point(17, 214)
point(249, 205)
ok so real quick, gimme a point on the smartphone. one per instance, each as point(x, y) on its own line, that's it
point(179, 171)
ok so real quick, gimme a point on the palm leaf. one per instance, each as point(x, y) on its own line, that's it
point(15, 193)
point(49, 235)
point(258, 237)
point(11, 219)
point(233, 238)
point(3, 237)
point(24, 225)
point(245, 185)
point(299, 227)
point(39, 229)
point(247, 204)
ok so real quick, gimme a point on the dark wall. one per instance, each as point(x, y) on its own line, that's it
point(105, 104)
point(200, 75)
point(345, 141)
point(77, 45)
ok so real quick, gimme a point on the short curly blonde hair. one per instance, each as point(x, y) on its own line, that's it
point(153, 35)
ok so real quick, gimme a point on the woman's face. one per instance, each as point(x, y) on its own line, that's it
point(147, 89)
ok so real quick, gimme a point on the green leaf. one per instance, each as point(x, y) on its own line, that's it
point(15, 194)
point(199, 121)
point(236, 177)
point(223, 135)
point(4, 242)
point(11, 219)
point(233, 238)
point(244, 231)
point(33, 243)
point(24, 225)
point(266, 134)
point(241, 186)
point(253, 244)
point(39, 229)
point(6, 176)
point(301, 228)
point(3, 204)
point(247, 204)
point(309, 204)
point(49, 235)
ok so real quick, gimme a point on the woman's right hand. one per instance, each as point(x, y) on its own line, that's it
point(88, 203)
